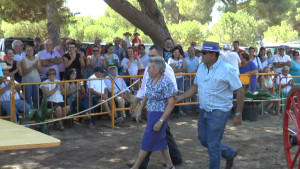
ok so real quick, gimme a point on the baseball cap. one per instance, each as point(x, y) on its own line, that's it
point(226, 46)
point(37, 39)
point(111, 65)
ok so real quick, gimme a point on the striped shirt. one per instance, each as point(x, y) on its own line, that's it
point(216, 86)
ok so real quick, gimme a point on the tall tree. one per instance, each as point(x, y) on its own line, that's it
point(149, 19)
point(281, 33)
point(36, 10)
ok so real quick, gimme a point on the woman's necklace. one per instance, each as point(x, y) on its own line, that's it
point(157, 79)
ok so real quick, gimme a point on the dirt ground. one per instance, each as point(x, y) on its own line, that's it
point(259, 144)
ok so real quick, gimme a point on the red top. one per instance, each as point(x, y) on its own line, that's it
point(138, 40)
point(240, 51)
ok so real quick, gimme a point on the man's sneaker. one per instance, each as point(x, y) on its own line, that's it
point(229, 162)
point(119, 120)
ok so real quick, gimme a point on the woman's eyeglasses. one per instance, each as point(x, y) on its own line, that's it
point(74, 72)
point(52, 74)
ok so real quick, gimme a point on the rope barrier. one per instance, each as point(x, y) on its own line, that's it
point(66, 117)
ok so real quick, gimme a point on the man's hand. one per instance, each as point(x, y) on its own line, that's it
point(134, 104)
point(177, 98)
point(157, 126)
point(237, 120)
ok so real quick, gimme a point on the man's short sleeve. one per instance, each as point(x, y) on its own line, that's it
point(1, 73)
point(233, 79)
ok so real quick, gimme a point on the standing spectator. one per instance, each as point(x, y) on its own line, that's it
point(38, 46)
point(110, 57)
point(136, 39)
point(198, 54)
point(231, 57)
point(62, 49)
point(95, 60)
point(295, 67)
point(262, 57)
point(79, 49)
point(52, 92)
point(126, 39)
point(255, 59)
point(160, 102)
point(31, 67)
point(49, 59)
point(144, 57)
point(215, 78)
point(20, 105)
point(192, 63)
point(97, 41)
point(248, 67)
point(270, 58)
point(18, 46)
point(168, 49)
point(130, 64)
point(117, 48)
point(15, 66)
point(194, 44)
point(236, 47)
point(124, 48)
point(72, 59)
point(281, 59)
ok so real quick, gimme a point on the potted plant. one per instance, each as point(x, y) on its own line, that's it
point(40, 115)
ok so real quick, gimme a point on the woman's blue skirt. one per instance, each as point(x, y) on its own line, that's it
point(155, 141)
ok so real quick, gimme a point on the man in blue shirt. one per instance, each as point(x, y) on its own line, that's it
point(249, 67)
point(215, 82)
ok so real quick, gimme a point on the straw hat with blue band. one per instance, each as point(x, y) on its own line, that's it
point(211, 46)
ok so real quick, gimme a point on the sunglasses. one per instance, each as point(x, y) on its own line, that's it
point(205, 52)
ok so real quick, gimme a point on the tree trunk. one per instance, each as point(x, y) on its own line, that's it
point(150, 20)
point(53, 30)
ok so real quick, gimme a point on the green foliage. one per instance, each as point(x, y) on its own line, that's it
point(281, 33)
point(25, 29)
point(187, 31)
point(235, 26)
point(40, 115)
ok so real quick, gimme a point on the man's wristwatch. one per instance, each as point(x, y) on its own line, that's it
point(238, 114)
point(161, 120)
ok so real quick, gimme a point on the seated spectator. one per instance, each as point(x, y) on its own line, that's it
point(52, 92)
point(144, 57)
point(248, 67)
point(295, 67)
point(99, 91)
point(130, 64)
point(37, 45)
point(31, 67)
point(15, 66)
point(72, 59)
point(262, 57)
point(110, 57)
point(72, 95)
point(119, 86)
point(94, 60)
point(267, 80)
point(49, 59)
point(20, 105)
point(286, 81)
point(281, 59)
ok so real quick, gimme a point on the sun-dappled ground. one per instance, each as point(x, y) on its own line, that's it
point(259, 144)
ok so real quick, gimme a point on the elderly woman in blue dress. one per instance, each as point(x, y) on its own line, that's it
point(160, 102)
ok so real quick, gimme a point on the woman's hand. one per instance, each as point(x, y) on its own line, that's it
point(157, 126)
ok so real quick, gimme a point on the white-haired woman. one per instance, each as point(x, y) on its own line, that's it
point(160, 102)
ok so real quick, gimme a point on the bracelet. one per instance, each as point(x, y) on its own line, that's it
point(161, 120)
point(237, 114)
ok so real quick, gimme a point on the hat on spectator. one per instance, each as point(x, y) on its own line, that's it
point(5, 66)
point(281, 47)
point(37, 39)
point(193, 43)
point(227, 46)
point(136, 33)
point(111, 65)
point(98, 69)
point(211, 46)
point(127, 33)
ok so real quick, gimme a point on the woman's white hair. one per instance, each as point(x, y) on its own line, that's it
point(158, 62)
point(16, 43)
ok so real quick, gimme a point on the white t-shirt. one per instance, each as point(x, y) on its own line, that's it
point(231, 58)
point(97, 85)
point(177, 63)
point(6, 95)
point(57, 96)
point(133, 68)
point(285, 81)
point(278, 58)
